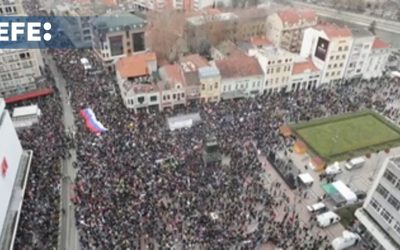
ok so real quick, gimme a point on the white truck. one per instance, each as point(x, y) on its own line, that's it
point(328, 218)
point(355, 163)
point(348, 239)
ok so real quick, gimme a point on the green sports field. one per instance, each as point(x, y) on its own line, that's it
point(347, 136)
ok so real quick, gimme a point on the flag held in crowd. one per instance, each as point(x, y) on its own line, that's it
point(91, 122)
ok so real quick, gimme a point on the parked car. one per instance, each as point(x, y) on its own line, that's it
point(317, 208)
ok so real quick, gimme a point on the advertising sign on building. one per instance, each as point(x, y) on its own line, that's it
point(322, 49)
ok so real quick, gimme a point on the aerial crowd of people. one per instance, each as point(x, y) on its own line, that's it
point(140, 184)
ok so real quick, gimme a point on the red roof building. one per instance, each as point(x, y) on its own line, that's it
point(304, 67)
point(334, 31)
point(380, 44)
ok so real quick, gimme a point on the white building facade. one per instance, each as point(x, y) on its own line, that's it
point(377, 60)
point(329, 48)
point(360, 51)
point(380, 212)
point(277, 65)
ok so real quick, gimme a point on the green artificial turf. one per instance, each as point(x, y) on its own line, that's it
point(347, 136)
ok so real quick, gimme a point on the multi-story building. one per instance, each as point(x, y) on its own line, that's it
point(11, 7)
point(305, 75)
point(277, 65)
point(116, 35)
point(19, 68)
point(137, 80)
point(159, 5)
point(379, 214)
point(210, 80)
point(241, 76)
point(14, 171)
point(329, 47)
point(377, 59)
point(75, 20)
point(190, 66)
point(359, 53)
point(210, 27)
point(172, 86)
point(285, 28)
point(251, 23)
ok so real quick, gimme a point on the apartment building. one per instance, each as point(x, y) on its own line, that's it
point(377, 59)
point(329, 47)
point(251, 23)
point(190, 65)
point(285, 28)
point(19, 68)
point(305, 75)
point(210, 80)
point(137, 81)
point(172, 86)
point(198, 28)
point(241, 76)
point(116, 35)
point(277, 65)
point(11, 8)
point(359, 53)
point(380, 213)
point(159, 5)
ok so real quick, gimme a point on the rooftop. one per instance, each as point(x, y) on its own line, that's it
point(207, 18)
point(144, 88)
point(118, 21)
point(380, 44)
point(303, 67)
point(260, 41)
point(195, 59)
point(239, 66)
point(208, 71)
point(135, 65)
point(334, 31)
point(172, 74)
point(295, 16)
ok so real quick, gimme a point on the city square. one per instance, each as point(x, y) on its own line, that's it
point(202, 124)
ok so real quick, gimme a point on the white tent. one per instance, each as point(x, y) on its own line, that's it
point(183, 121)
point(345, 191)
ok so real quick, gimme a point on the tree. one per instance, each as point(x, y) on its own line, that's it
point(372, 27)
point(165, 34)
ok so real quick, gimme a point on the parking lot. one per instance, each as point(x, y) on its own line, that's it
point(360, 179)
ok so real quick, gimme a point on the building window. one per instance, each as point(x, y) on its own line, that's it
point(216, 85)
point(347, 48)
point(337, 57)
point(183, 95)
point(343, 56)
point(141, 99)
point(174, 96)
point(374, 203)
point(394, 202)
point(153, 98)
point(340, 48)
point(278, 69)
point(397, 227)
point(382, 191)
point(203, 87)
point(387, 216)
point(332, 57)
point(390, 177)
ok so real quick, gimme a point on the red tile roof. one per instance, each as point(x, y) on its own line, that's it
point(294, 16)
point(333, 31)
point(29, 95)
point(380, 44)
point(135, 65)
point(174, 74)
point(196, 59)
point(301, 67)
point(239, 66)
point(260, 41)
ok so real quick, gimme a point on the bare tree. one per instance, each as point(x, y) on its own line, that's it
point(165, 34)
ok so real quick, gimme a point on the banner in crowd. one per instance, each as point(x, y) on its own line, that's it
point(91, 122)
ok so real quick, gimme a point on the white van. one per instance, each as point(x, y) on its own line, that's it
point(333, 169)
point(355, 163)
point(317, 208)
point(328, 218)
point(348, 239)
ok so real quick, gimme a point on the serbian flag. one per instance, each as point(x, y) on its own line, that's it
point(4, 167)
point(91, 122)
